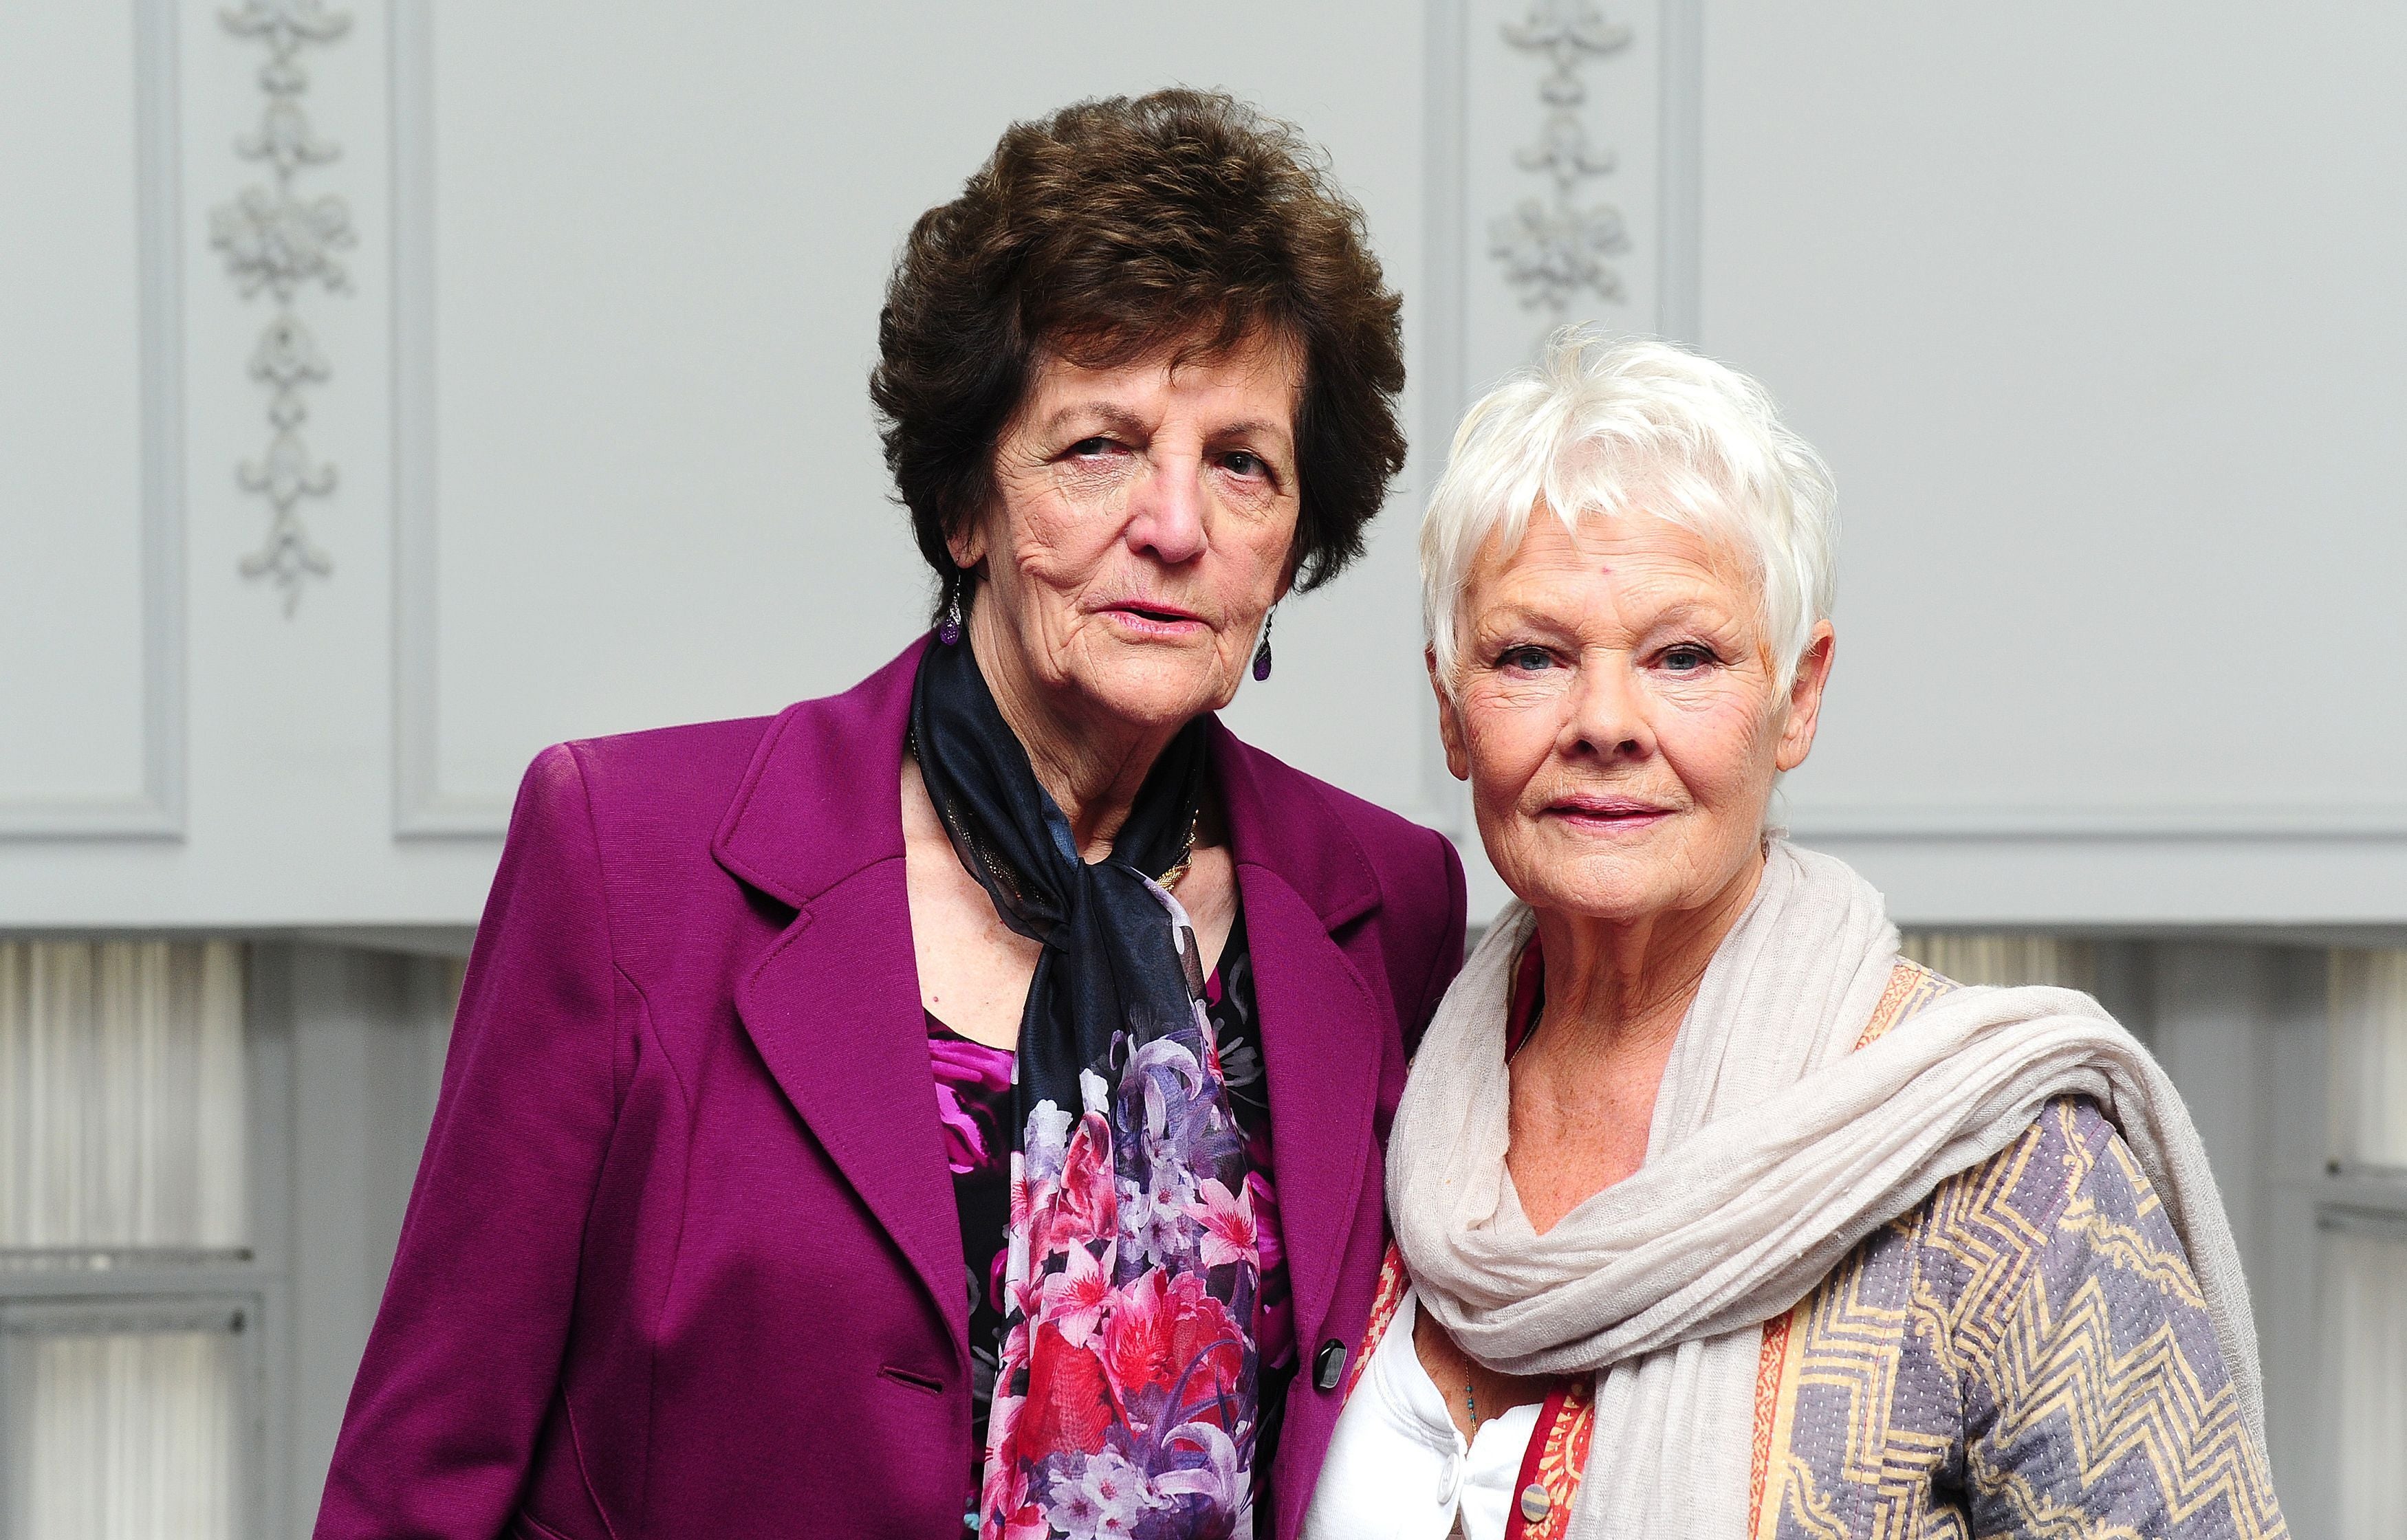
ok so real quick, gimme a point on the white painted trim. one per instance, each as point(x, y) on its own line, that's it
point(1442, 369)
point(2098, 821)
point(420, 807)
point(157, 812)
point(1679, 189)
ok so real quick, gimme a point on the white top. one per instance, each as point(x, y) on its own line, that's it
point(1398, 1470)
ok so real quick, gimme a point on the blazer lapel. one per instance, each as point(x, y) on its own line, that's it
point(833, 1005)
point(1321, 1025)
point(834, 1010)
point(1304, 882)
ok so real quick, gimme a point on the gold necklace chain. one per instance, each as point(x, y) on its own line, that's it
point(1185, 855)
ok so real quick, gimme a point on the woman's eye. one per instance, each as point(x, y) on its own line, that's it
point(1091, 447)
point(1243, 462)
point(1687, 659)
point(1527, 660)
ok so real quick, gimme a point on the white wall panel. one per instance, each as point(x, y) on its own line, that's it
point(647, 487)
point(2095, 317)
point(90, 641)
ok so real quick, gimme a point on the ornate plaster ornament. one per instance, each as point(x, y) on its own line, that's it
point(282, 241)
point(1554, 247)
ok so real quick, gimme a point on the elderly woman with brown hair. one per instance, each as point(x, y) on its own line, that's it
point(1714, 1217)
point(954, 1105)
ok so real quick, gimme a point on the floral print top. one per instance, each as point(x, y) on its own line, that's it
point(974, 1101)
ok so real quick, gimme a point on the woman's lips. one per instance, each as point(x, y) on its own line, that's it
point(1609, 814)
point(1150, 619)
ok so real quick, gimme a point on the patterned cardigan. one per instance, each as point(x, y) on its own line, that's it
point(2025, 1353)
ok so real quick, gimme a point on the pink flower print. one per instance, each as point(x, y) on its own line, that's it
point(1111, 1495)
point(1044, 1210)
point(1205, 1354)
point(1228, 1221)
point(1024, 1295)
point(1165, 1338)
point(1070, 1404)
point(1002, 1416)
point(1026, 1523)
point(1005, 1488)
point(1015, 1350)
point(1021, 1200)
point(1010, 1510)
point(1264, 1199)
point(1089, 1208)
point(1076, 1297)
point(972, 1080)
point(1136, 1343)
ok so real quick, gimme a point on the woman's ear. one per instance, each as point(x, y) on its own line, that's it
point(1805, 697)
point(967, 544)
point(1449, 721)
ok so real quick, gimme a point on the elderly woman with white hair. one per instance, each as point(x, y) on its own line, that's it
point(1713, 1215)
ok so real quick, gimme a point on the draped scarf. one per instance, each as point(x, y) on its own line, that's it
point(1126, 1400)
point(1776, 1146)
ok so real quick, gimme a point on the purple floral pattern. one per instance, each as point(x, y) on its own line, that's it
point(1127, 1285)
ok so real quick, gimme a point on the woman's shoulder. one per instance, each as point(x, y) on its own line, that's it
point(2041, 1172)
point(1297, 807)
point(657, 776)
point(663, 788)
point(2066, 1199)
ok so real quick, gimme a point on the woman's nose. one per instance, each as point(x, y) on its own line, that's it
point(1608, 712)
point(1168, 520)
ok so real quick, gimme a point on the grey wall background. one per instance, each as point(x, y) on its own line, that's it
point(2092, 311)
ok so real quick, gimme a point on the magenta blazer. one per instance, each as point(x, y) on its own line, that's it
point(682, 1258)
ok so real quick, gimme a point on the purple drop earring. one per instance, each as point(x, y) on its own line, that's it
point(1262, 652)
point(948, 631)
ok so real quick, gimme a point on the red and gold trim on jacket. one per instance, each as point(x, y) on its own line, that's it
point(1911, 986)
point(1558, 1449)
point(1384, 1305)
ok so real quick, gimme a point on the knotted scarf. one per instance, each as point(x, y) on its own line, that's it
point(1776, 1146)
point(1126, 1401)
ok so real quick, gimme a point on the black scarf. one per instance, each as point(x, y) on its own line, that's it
point(1110, 962)
point(1129, 1361)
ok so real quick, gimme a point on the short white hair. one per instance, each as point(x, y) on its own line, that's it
point(1639, 426)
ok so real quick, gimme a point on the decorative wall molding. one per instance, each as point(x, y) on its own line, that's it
point(278, 240)
point(157, 811)
point(1553, 248)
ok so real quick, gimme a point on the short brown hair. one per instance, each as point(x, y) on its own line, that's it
point(1181, 222)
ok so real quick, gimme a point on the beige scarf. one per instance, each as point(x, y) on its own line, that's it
point(1775, 1148)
